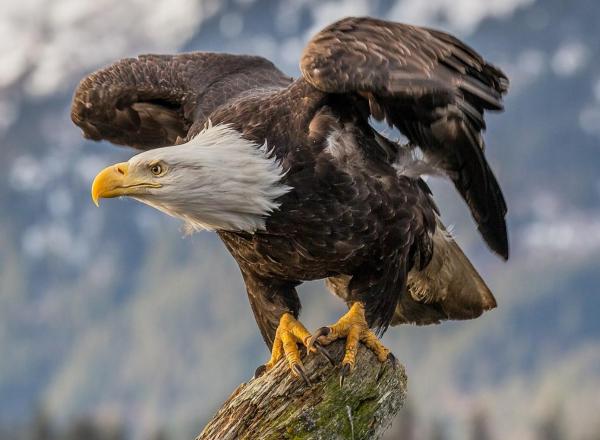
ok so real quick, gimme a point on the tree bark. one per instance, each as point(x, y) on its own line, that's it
point(279, 406)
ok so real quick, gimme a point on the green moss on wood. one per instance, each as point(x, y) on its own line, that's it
point(277, 406)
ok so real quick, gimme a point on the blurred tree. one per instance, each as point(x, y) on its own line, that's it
point(114, 433)
point(552, 426)
point(88, 429)
point(161, 434)
point(404, 427)
point(41, 427)
point(480, 425)
point(83, 429)
point(438, 431)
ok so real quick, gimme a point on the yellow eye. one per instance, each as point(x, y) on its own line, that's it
point(156, 169)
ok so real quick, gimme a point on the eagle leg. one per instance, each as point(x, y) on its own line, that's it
point(290, 333)
point(352, 326)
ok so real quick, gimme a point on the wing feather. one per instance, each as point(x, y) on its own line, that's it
point(430, 86)
point(153, 100)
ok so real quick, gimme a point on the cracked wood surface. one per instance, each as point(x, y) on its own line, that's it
point(280, 406)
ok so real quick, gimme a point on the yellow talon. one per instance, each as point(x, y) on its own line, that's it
point(290, 333)
point(352, 326)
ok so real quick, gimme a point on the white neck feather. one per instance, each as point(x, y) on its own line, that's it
point(217, 181)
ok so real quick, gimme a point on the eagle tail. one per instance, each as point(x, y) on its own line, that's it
point(449, 287)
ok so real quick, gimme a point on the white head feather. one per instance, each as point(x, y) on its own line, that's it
point(216, 181)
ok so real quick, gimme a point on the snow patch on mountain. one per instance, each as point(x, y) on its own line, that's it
point(569, 58)
point(460, 15)
point(44, 44)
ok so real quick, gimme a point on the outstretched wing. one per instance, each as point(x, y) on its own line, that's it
point(152, 100)
point(429, 85)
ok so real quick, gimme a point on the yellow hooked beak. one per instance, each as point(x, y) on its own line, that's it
point(115, 181)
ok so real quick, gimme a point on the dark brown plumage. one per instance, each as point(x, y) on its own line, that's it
point(429, 85)
point(153, 100)
point(351, 217)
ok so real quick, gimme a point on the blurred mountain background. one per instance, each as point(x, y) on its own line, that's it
point(113, 325)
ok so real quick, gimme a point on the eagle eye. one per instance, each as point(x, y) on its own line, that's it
point(156, 169)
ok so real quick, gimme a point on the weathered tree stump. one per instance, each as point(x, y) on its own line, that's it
point(278, 406)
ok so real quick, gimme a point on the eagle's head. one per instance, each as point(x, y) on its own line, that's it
point(217, 181)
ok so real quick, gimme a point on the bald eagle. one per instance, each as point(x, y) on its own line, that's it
point(298, 184)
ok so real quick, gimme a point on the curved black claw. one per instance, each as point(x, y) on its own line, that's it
point(260, 371)
point(345, 371)
point(299, 370)
point(323, 331)
point(324, 353)
point(392, 358)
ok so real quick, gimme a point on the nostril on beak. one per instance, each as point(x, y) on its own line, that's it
point(120, 170)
